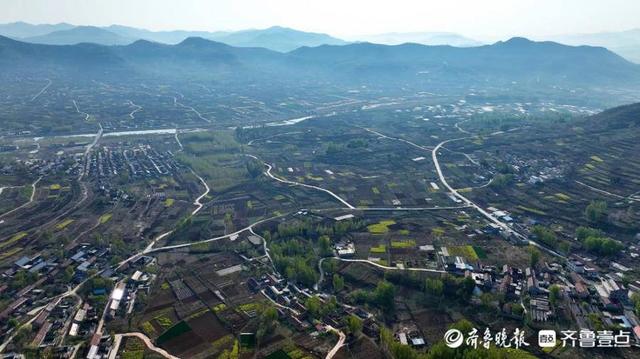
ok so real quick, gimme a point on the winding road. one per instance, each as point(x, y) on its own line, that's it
point(31, 199)
point(366, 261)
point(339, 344)
point(118, 339)
point(467, 201)
point(138, 108)
point(190, 108)
point(198, 200)
point(272, 176)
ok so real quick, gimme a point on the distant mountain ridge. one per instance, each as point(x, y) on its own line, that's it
point(625, 43)
point(80, 34)
point(274, 38)
point(18, 30)
point(423, 38)
point(282, 39)
point(517, 60)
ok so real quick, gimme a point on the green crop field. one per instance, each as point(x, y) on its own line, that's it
point(380, 228)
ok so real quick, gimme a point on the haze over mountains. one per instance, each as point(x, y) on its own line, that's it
point(625, 43)
point(504, 63)
point(424, 38)
point(80, 34)
point(274, 38)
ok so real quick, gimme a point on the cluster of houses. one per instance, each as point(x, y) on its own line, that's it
point(40, 270)
point(290, 306)
point(85, 258)
point(142, 161)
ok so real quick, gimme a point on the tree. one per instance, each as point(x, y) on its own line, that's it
point(68, 273)
point(554, 294)
point(325, 246)
point(331, 305)
point(354, 324)
point(466, 288)
point(338, 283)
point(329, 266)
point(602, 246)
point(583, 233)
point(267, 321)
point(564, 247)
point(314, 306)
point(434, 286)
point(502, 180)
point(384, 295)
point(22, 334)
point(546, 236)
point(596, 211)
point(254, 168)
point(486, 299)
point(635, 299)
point(13, 323)
point(333, 149)
point(534, 256)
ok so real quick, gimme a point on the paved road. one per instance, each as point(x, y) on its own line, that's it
point(316, 286)
point(138, 108)
point(627, 198)
point(468, 202)
point(265, 249)
point(250, 143)
point(86, 115)
point(184, 245)
point(482, 211)
point(144, 338)
point(339, 344)
point(49, 82)
point(31, 199)
point(425, 148)
point(87, 151)
point(406, 209)
point(178, 140)
point(190, 108)
point(272, 176)
point(198, 200)
point(411, 269)
point(149, 249)
point(7, 187)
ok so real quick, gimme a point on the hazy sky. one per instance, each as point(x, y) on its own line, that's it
point(488, 19)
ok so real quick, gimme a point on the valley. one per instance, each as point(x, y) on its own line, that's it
point(201, 200)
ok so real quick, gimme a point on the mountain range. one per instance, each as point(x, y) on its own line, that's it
point(625, 43)
point(424, 38)
point(281, 39)
point(80, 34)
point(274, 38)
point(19, 30)
point(504, 63)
